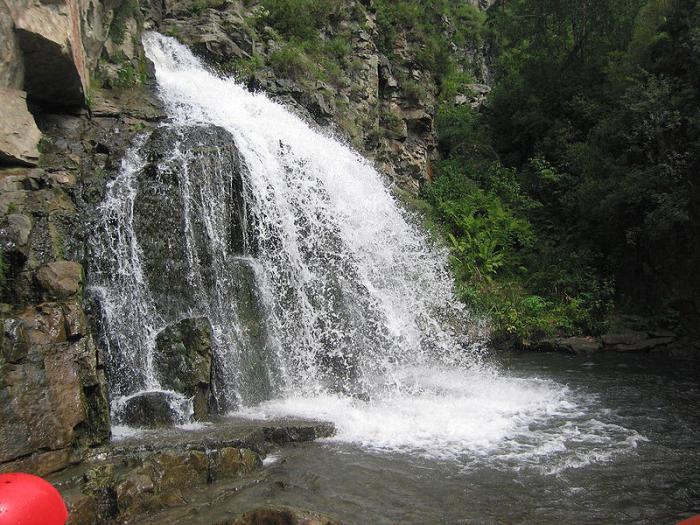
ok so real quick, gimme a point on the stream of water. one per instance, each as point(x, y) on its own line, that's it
point(361, 321)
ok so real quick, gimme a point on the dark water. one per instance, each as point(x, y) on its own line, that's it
point(657, 482)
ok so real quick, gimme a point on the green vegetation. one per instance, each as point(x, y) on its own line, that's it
point(122, 14)
point(575, 190)
point(198, 6)
point(425, 21)
point(304, 52)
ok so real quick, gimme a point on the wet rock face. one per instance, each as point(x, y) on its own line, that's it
point(52, 392)
point(182, 361)
point(183, 476)
point(162, 192)
point(150, 410)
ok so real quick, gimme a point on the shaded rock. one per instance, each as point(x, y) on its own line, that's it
point(15, 341)
point(49, 36)
point(61, 279)
point(298, 433)
point(182, 360)
point(645, 344)
point(15, 231)
point(151, 409)
point(418, 120)
point(19, 134)
point(275, 515)
point(626, 337)
point(574, 345)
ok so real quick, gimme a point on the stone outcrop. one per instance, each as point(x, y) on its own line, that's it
point(50, 39)
point(19, 135)
point(55, 55)
point(625, 340)
point(158, 476)
point(55, 160)
point(182, 360)
point(52, 389)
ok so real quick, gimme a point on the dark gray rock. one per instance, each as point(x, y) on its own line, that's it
point(208, 150)
point(151, 410)
point(645, 344)
point(182, 360)
point(51, 73)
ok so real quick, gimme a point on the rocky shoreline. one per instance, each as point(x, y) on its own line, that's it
point(184, 475)
point(632, 335)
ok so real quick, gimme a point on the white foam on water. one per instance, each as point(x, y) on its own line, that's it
point(360, 311)
point(470, 418)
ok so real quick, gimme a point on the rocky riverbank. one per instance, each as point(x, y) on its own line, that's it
point(184, 475)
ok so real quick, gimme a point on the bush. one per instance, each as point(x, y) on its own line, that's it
point(299, 19)
point(290, 61)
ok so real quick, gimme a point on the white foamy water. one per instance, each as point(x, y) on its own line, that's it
point(468, 418)
point(360, 317)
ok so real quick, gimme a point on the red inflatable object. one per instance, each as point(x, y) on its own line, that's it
point(695, 520)
point(29, 500)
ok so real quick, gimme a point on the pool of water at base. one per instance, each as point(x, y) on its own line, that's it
point(657, 482)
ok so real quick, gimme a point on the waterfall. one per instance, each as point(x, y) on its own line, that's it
point(359, 320)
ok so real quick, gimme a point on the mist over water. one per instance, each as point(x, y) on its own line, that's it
point(362, 326)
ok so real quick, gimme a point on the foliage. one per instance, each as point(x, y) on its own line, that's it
point(577, 185)
point(198, 6)
point(599, 110)
point(125, 11)
point(290, 61)
point(299, 19)
point(433, 25)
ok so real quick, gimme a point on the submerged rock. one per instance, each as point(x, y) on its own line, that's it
point(280, 516)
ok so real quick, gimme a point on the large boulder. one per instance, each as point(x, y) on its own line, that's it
point(50, 38)
point(11, 65)
point(52, 391)
point(19, 135)
point(152, 410)
point(182, 361)
point(61, 279)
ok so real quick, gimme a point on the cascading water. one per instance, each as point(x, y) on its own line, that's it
point(360, 323)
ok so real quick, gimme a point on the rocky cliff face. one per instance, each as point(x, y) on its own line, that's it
point(383, 104)
point(76, 89)
point(62, 135)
